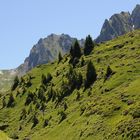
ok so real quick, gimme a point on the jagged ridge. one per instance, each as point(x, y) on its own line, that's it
point(120, 24)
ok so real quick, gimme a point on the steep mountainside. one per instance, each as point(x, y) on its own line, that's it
point(135, 17)
point(120, 24)
point(47, 50)
point(108, 110)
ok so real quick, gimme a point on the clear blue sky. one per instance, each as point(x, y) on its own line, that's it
point(23, 22)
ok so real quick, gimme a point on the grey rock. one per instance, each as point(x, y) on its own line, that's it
point(135, 17)
point(119, 24)
point(47, 50)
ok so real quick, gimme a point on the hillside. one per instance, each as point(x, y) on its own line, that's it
point(6, 78)
point(107, 110)
point(3, 136)
point(46, 50)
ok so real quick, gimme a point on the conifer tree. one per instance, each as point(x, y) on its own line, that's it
point(15, 84)
point(109, 72)
point(3, 103)
point(89, 45)
point(90, 75)
point(59, 57)
point(43, 79)
point(35, 121)
point(11, 101)
point(75, 50)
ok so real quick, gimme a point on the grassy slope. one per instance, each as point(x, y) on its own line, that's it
point(3, 136)
point(107, 113)
point(6, 79)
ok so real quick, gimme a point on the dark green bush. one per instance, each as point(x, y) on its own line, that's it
point(90, 75)
point(40, 94)
point(35, 121)
point(3, 102)
point(59, 57)
point(29, 98)
point(48, 78)
point(43, 79)
point(23, 114)
point(15, 84)
point(136, 113)
point(46, 123)
point(11, 101)
point(109, 72)
point(62, 116)
point(82, 62)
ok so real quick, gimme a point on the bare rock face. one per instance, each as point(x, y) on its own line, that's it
point(120, 24)
point(46, 50)
point(117, 25)
point(135, 17)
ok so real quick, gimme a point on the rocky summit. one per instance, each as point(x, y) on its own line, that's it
point(46, 50)
point(120, 24)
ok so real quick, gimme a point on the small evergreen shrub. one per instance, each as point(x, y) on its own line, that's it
point(62, 116)
point(46, 123)
point(11, 101)
point(15, 84)
point(35, 121)
point(29, 98)
point(90, 75)
point(59, 57)
point(109, 72)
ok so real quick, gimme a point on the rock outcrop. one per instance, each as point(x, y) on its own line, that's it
point(46, 50)
point(120, 24)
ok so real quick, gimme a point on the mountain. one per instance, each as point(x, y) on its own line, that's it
point(135, 17)
point(120, 24)
point(47, 50)
point(55, 109)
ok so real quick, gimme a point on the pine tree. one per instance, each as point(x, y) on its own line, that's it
point(109, 72)
point(23, 114)
point(15, 84)
point(75, 50)
point(48, 78)
point(35, 121)
point(89, 45)
point(59, 57)
point(90, 75)
point(11, 101)
point(3, 103)
point(43, 79)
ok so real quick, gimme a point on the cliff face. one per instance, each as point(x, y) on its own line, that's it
point(135, 16)
point(120, 24)
point(46, 50)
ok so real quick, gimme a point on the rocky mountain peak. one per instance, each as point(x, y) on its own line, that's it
point(46, 50)
point(135, 17)
point(120, 24)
